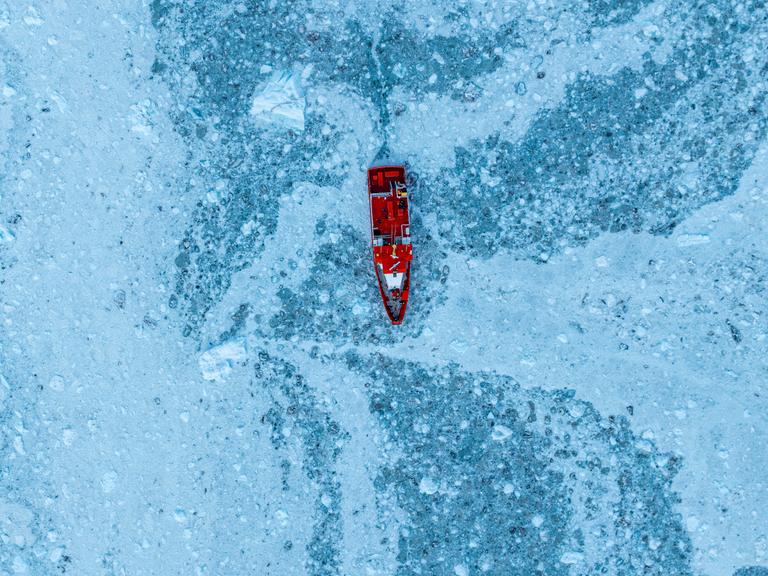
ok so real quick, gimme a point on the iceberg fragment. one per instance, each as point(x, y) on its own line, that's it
point(5, 234)
point(217, 362)
point(280, 101)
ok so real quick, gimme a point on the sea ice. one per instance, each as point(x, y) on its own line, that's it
point(591, 256)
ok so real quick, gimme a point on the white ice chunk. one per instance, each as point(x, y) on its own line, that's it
point(180, 515)
point(247, 228)
point(15, 524)
point(217, 362)
point(280, 101)
point(108, 481)
point(692, 240)
point(571, 557)
point(576, 409)
point(5, 17)
point(5, 234)
point(56, 383)
point(68, 436)
point(32, 17)
point(141, 117)
point(282, 517)
point(4, 389)
point(427, 485)
point(500, 433)
point(19, 566)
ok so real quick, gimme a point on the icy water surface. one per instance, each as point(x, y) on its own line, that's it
point(196, 374)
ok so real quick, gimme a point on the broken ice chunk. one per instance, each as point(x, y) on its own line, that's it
point(56, 383)
point(571, 557)
point(68, 436)
point(217, 362)
point(108, 481)
point(180, 515)
point(500, 433)
point(5, 234)
point(16, 524)
point(576, 409)
point(685, 240)
point(282, 517)
point(32, 17)
point(4, 389)
point(427, 485)
point(279, 101)
point(5, 17)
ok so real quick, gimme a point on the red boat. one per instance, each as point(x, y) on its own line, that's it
point(391, 237)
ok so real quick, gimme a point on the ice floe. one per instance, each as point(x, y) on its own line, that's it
point(217, 362)
point(280, 101)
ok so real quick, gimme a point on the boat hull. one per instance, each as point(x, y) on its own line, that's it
point(390, 237)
